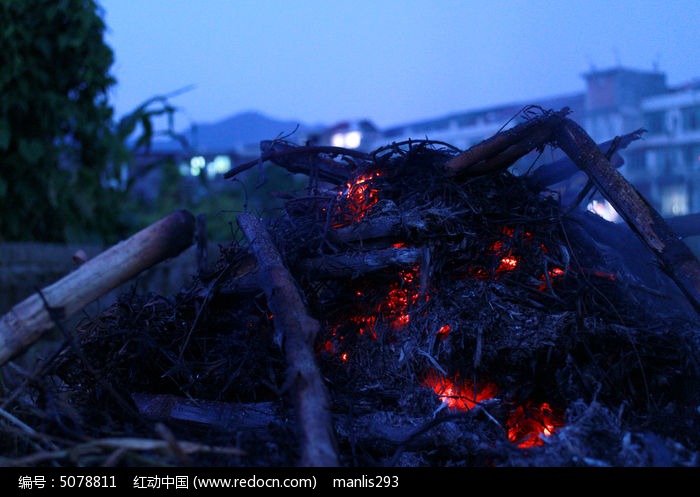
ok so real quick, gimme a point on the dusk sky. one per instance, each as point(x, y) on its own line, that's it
point(389, 61)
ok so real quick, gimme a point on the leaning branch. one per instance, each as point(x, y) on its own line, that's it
point(502, 149)
point(562, 169)
point(674, 255)
point(298, 332)
point(319, 161)
point(356, 264)
point(27, 321)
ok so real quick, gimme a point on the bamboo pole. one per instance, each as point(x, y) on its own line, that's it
point(27, 321)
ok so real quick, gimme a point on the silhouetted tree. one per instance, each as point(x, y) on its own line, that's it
point(56, 136)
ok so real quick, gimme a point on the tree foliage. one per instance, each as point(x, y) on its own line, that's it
point(67, 167)
point(56, 136)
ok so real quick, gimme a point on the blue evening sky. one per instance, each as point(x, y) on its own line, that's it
point(391, 61)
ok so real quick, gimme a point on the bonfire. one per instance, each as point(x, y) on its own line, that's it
point(416, 306)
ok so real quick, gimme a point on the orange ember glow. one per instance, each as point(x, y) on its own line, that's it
point(528, 424)
point(607, 276)
point(393, 310)
point(525, 425)
point(395, 307)
point(356, 199)
point(508, 261)
point(365, 324)
point(552, 275)
point(459, 395)
point(401, 297)
point(507, 264)
point(444, 331)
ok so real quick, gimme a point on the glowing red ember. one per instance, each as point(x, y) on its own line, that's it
point(508, 260)
point(356, 199)
point(528, 424)
point(525, 425)
point(458, 394)
point(444, 331)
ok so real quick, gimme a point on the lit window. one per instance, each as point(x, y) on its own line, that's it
point(197, 163)
point(351, 139)
point(338, 140)
point(674, 200)
point(220, 165)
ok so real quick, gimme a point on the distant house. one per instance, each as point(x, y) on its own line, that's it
point(664, 165)
point(464, 129)
point(359, 134)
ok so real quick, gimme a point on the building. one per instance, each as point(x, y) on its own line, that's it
point(464, 129)
point(664, 165)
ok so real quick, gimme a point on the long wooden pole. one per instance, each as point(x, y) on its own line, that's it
point(675, 257)
point(297, 331)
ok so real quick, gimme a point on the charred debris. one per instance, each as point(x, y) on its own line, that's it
point(419, 305)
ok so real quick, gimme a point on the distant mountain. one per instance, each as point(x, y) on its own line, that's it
point(243, 130)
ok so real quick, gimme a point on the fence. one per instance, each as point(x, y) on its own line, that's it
point(28, 267)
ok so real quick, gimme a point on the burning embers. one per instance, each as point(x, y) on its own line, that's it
point(457, 394)
point(415, 274)
point(382, 307)
point(355, 200)
point(392, 311)
point(526, 423)
point(506, 256)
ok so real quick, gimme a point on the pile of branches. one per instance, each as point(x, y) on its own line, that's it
point(414, 306)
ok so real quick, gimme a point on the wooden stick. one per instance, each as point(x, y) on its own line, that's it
point(328, 267)
point(358, 263)
point(562, 169)
point(675, 257)
point(309, 160)
point(27, 321)
point(256, 417)
point(501, 149)
point(534, 139)
point(297, 331)
point(232, 417)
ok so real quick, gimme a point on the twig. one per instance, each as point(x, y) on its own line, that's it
point(503, 148)
point(284, 150)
